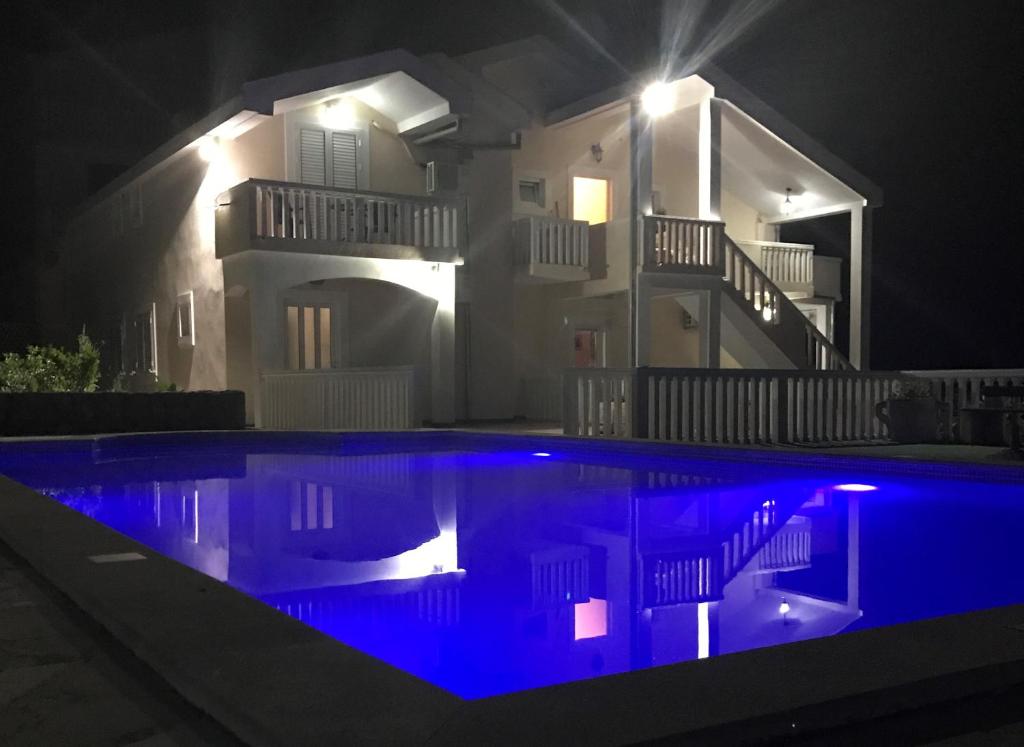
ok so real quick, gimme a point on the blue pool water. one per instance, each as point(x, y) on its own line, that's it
point(491, 566)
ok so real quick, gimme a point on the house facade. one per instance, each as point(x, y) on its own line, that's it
point(395, 240)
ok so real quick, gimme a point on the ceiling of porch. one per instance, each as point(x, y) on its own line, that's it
point(758, 167)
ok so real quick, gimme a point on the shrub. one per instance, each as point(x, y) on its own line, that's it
point(52, 369)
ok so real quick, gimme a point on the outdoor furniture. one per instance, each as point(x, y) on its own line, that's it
point(999, 421)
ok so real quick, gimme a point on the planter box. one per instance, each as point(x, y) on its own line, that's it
point(60, 413)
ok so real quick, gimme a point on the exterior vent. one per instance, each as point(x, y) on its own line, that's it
point(442, 177)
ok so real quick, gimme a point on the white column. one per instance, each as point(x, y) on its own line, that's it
point(709, 160)
point(641, 142)
point(643, 324)
point(860, 287)
point(442, 348)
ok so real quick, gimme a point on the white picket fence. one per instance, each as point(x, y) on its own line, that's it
point(746, 406)
point(339, 399)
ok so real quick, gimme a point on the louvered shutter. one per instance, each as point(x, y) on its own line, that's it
point(312, 157)
point(343, 160)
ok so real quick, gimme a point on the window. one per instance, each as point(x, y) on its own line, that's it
point(328, 158)
point(308, 336)
point(590, 199)
point(184, 316)
point(531, 191)
point(138, 342)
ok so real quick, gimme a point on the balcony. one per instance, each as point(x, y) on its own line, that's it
point(283, 216)
point(796, 269)
point(552, 249)
point(673, 244)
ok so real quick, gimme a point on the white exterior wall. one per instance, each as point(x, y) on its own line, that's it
point(173, 252)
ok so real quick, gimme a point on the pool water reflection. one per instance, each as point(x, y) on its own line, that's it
point(490, 572)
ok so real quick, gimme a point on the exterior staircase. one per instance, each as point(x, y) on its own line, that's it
point(686, 245)
point(700, 574)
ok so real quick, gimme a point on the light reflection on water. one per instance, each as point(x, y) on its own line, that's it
point(490, 572)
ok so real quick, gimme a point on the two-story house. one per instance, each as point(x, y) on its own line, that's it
point(394, 239)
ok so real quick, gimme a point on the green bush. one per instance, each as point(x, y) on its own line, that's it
point(52, 369)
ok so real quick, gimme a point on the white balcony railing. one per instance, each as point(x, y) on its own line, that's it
point(671, 242)
point(790, 266)
point(286, 215)
point(336, 399)
point(552, 241)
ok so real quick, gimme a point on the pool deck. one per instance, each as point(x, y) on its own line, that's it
point(91, 653)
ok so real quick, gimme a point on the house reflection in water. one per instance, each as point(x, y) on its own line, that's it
point(487, 573)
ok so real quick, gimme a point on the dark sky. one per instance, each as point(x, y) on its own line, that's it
point(922, 96)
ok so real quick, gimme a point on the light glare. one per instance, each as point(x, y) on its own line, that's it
point(338, 115)
point(209, 148)
point(855, 487)
point(657, 99)
point(540, 454)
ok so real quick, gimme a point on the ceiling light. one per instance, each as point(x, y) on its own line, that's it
point(787, 204)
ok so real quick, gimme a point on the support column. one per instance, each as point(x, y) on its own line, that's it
point(711, 329)
point(641, 152)
point(709, 160)
point(860, 287)
point(442, 349)
point(642, 334)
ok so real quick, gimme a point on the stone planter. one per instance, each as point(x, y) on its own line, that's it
point(910, 421)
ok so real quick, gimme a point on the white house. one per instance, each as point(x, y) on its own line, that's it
point(395, 239)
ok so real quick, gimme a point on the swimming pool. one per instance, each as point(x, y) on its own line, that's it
point(491, 565)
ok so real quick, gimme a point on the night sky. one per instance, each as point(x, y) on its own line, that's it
point(922, 96)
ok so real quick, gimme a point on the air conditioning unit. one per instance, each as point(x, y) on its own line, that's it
point(442, 177)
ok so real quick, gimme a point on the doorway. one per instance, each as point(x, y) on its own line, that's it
point(585, 349)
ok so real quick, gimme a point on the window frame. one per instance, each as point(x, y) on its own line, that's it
point(185, 306)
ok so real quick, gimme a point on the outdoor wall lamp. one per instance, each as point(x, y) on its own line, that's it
point(209, 148)
point(339, 114)
point(657, 99)
point(787, 204)
point(597, 152)
point(784, 610)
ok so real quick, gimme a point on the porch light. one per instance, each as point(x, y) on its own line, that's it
point(784, 610)
point(209, 148)
point(787, 204)
point(657, 99)
point(339, 114)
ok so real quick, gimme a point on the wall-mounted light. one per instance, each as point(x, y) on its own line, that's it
point(597, 152)
point(657, 99)
point(209, 148)
point(784, 611)
point(787, 204)
point(339, 114)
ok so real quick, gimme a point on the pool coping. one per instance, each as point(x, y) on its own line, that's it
point(272, 680)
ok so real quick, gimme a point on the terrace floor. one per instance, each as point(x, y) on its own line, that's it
point(63, 680)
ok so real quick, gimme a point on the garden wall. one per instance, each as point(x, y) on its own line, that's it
point(63, 413)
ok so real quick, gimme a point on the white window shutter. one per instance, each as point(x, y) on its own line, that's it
point(343, 159)
point(312, 157)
